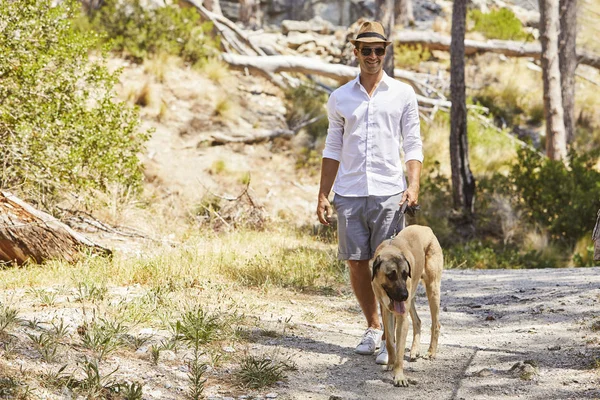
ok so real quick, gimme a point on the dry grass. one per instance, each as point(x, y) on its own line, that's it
point(160, 64)
point(215, 70)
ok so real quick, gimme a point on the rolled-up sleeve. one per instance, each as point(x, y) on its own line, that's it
point(410, 127)
point(335, 131)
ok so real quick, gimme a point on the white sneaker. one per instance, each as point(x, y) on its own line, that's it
point(370, 342)
point(382, 356)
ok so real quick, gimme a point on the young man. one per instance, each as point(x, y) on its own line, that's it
point(370, 119)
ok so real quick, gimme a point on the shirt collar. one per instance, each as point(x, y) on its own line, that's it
point(385, 79)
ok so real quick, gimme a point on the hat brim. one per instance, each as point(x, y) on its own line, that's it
point(369, 40)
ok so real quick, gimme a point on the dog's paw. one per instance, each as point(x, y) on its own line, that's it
point(388, 367)
point(429, 356)
point(400, 381)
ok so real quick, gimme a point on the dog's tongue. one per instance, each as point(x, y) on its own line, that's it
point(399, 307)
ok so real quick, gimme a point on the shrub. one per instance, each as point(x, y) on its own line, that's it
point(139, 31)
point(304, 103)
point(59, 125)
point(562, 198)
point(498, 24)
point(410, 55)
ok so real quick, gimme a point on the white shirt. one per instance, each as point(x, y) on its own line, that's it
point(365, 134)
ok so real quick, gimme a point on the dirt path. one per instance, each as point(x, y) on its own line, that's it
point(498, 327)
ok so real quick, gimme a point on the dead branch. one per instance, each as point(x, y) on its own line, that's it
point(28, 234)
point(436, 41)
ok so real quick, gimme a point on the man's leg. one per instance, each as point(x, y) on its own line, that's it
point(360, 279)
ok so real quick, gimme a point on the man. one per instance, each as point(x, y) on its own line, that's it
point(370, 118)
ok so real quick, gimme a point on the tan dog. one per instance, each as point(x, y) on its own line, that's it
point(398, 266)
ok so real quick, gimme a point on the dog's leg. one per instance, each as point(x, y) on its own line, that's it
point(433, 290)
point(401, 332)
point(390, 336)
point(416, 323)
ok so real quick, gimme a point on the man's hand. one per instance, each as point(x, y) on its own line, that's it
point(411, 195)
point(324, 210)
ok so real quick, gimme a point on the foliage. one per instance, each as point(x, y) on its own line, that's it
point(563, 198)
point(139, 31)
point(258, 372)
point(304, 103)
point(487, 254)
point(60, 128)
point(410, 56)
point(498, 24)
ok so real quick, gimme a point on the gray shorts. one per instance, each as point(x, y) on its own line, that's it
point(365, 222)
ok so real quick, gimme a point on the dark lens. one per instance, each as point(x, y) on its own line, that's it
point(366, 52)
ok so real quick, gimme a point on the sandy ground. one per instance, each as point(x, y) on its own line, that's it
point(494, 324)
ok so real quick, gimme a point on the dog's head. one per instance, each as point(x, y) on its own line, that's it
point(391, 271)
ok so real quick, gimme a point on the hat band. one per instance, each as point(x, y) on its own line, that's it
point(371, 34)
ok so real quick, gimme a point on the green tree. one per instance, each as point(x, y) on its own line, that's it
point(60, 126)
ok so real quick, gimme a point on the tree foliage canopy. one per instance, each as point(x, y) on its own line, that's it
point(60, 126)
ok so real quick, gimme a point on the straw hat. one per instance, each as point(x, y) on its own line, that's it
point(370, 32)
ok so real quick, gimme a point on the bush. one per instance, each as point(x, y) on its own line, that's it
point(562, 198)
point(498, 24)
point(139, 31)
point(59, 125)
point(410, 56)
point(304, 103)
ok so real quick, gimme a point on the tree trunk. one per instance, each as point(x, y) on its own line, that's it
point(27, 234)
point(556, 140)
point(567, 56)
point(403, 13)
point(213, 6)
point(384, 12)
point(596, 238)
point(463, 183)
point(250, 13)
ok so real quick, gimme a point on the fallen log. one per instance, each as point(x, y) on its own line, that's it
point(31, 235)
point(436, 41)
point(269, 65)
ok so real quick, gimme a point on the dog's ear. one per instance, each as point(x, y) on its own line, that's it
point(399, 261)
point(376, 265)
point(409, 267)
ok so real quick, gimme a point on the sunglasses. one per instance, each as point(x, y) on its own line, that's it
point(366, 51)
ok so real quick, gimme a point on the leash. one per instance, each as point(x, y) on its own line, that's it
point(404, 209)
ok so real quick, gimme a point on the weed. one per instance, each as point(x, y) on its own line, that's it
point(197, 327)
point(103, 337)
point(155, 354)
point(130, 391)
point(218, 167)
point(57, 379)
point(9, 346)
point(33, 323)
point(303, 104)
point(46, 297)
point(8, 316)
point(46, 345)
point(59, 330)
point(94, 383)
point(139, 341)
point(196, 371)
point(224, 108)
point(214, 69)
point(90, 291)
point(259, 372)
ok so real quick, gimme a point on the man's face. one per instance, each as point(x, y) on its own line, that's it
point(368, 59)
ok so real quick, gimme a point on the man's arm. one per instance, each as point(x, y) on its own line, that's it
point(329, 170)
point(413, 172)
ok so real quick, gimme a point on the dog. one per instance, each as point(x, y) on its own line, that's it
point(398, 265)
